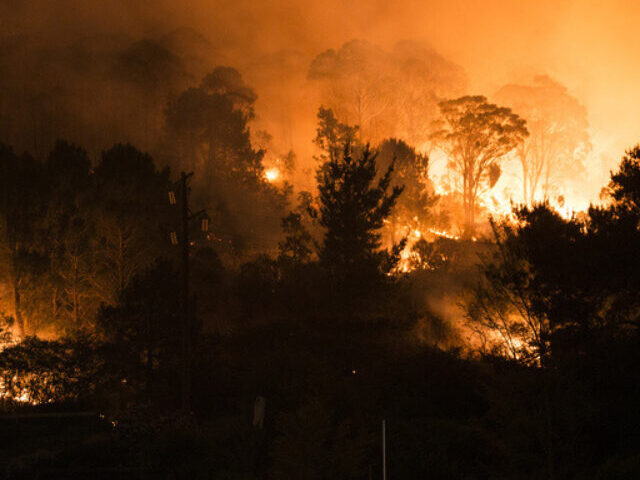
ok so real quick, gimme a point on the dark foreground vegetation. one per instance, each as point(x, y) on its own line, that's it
point(296, 358)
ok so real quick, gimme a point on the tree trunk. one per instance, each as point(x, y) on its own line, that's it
point(18, 311)
point(546, 188)
point(76, 317)
point(120, 264)
point(466, 203)
point(469, 206)
point(525, 184)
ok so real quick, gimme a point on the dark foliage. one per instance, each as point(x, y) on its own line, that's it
point(285, 383)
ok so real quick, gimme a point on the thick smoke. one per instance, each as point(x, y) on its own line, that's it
point(100, 72)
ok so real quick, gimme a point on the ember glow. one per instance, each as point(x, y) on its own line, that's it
point(272, 174)
point(21, 396)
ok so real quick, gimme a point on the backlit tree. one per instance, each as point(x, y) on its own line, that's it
point(559, 137)
point(353, 205)
point(476, 135)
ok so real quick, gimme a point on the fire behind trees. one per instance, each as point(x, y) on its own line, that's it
point(558, 140)
point(477, 135)
point(331, 344)
point(521, 364)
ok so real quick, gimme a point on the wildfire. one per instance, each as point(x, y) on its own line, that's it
point(23, 396)
point(407, 255)
point(502, 205)
point(443, 234)
point(272, 174)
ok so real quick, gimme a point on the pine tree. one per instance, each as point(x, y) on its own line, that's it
point(354, 203)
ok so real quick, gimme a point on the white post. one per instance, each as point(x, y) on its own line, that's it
point(384, 451)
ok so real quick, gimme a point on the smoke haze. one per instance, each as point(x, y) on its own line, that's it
point(588, 46)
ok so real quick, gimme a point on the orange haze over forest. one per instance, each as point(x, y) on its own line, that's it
point(588, 46)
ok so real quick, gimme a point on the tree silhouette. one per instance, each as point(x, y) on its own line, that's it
point(411, 169)
point(539, 291)
point(353, 205)
point(558, 128)
point(70, 230)
point(332, 135)
point(562, 295)
point(296, 248)
point(350, 86)
point(624, 187)
point(208, 126)
point(385, 92)
point(208, 131)
point(22, 199)
point(130, 210)
point(615, 229)
point(514, 296)
point(476, 135)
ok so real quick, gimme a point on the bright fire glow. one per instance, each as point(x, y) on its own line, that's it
point(22, 396)
point(272, 174)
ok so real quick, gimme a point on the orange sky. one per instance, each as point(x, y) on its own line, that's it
point(590, 46)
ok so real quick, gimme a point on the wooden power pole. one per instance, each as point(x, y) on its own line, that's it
point(186, 344)
point(186, 317)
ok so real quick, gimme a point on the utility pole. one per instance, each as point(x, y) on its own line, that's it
point(186, 319)
point(185, 303)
